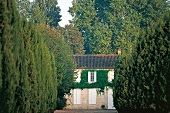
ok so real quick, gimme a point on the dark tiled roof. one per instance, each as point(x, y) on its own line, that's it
point(95, 61)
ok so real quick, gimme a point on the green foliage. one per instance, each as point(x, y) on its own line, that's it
point(136, 71)
point(28, 76)
point(73, 38)
point(65, 68)
point(37, 15)
point(1, 29)
point(53, 13)
point(150, 10)
point(96, 34)
point(108, 25)
point(40, 11)
point(61, 103)
point(9, 64)
point(143, 77)
point(102, 7)
point(47, 9)
point(24, 8)
point(102, 80)
point(63, 57)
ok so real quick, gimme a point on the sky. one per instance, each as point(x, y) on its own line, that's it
point(64, 6)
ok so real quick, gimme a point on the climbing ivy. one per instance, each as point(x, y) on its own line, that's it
point(102, 80)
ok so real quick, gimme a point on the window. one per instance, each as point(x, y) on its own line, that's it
point(111, 76)
point(77, 96)
point(91, 77)
point(77, 76)
point(92, 96)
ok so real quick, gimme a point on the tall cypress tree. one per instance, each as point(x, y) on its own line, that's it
point(135, 67)
point(153, 60)
point(1, 29)
point(23, 102)
point(25, 71)
point(10, 54)
point(147, 73)
point(64, 62)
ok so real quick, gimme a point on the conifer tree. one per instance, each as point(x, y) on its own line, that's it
point(10, 54)
point(24, 88)
point(28, 78)
point(46, 78)
point(138, 76)
point(1, 29)
point(64, 63)
point(147, 73)
point(153, 60)
point(0, 68)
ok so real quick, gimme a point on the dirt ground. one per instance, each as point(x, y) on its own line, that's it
point(85, 111)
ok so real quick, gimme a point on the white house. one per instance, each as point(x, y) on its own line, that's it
point(93, 87)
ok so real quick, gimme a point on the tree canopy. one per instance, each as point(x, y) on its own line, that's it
point(96, 34)
point(108, 25)
point(73, 38)
point(40, 11)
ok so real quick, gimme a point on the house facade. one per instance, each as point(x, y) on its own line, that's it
point(93, 84)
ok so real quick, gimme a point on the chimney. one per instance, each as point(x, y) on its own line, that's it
point(119, 51)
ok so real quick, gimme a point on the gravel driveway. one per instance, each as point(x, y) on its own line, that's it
point(85, 111)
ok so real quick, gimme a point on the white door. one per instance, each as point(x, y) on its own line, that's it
point(92, 96)
point(77, 96)
point(110, 99)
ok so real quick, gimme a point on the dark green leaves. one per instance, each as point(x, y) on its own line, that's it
point(28, 76)
point(144, 78)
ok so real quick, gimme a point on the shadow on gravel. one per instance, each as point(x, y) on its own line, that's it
point(85, 111)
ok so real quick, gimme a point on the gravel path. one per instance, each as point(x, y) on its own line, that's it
point(85, 111)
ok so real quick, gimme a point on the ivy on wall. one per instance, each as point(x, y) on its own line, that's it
point(102, 80)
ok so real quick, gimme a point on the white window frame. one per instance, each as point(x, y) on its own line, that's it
point(111, 76)
point(78, 76)
point(77, 96)
point(92, 96)
point(90, 74)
